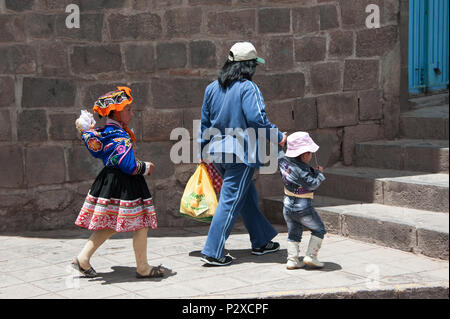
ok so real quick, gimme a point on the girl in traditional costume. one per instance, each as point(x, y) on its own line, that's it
point(119, 199)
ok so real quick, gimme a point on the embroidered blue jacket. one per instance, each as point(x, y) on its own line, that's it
point(114, 147)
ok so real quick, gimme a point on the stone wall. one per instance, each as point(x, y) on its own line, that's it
point(325, 72)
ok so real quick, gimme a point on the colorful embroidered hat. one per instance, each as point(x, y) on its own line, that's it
point(113, 101)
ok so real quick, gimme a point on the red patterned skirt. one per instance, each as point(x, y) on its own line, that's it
point(118, 201)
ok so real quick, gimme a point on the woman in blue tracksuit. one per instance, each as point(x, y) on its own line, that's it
point(233, 114)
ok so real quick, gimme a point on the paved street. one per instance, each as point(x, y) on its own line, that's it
point(36, 265)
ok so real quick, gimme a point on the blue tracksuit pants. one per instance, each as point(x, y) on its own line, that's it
point(238, 195)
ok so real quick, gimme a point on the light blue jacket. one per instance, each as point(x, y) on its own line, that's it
point(229, 119)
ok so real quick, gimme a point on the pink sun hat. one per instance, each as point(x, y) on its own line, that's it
point(299, 143)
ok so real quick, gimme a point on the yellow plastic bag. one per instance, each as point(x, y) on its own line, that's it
point(199, 200)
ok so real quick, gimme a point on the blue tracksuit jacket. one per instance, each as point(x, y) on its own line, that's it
point(228, 119)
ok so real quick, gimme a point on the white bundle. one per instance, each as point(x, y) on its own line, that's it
point(85, 122)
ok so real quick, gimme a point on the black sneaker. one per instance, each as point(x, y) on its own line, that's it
point(269, 248)
point(226, 260)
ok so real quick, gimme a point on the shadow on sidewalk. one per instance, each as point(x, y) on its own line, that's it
point(241, 256)
point(122, 274)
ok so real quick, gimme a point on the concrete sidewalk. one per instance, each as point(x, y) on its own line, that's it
point(36, 265)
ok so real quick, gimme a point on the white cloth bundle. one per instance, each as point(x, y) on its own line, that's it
point(85, 122)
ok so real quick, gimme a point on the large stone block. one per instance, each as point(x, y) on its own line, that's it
point(87, 5)
point(370, 105)
point(328, 17)
point(7, 91)
point(166, 198)
point(326, 78)
point(281, 86)
point(91, 27)
point(171, 55)
point(361, 74)
point(202, 54)
point(11, 161)
point(330, 143)
point(430, 128)
point(45, 165)
point(417, 196)
point(19, 5)
point(81, 165)
point(273, 209)
point(210, 2)
point(13, 28)
point(178, 92)
point(53, 200)
point(62, 127)
point(432, 243)
point(183, 22)
point(51, 5)
point(157, 124)
point(40, 26)
point(385, 233)
point(341, 44)
point(278, 53)
point(356, 188)
point(189, 116)
point(382, 156)
point(424, 159)
point(242, 22)
point(357, 134)
point(376, 42)
point(96, 59)
point(5, 125)
point(53, 58)
point(337, 110)
point(159, 154)
point(18, 59)
point(305, 114)
point(309, 49)
point(44, 92)
point(32, 126)
point(305, 20)
point(142, 26)
point(281, 114)
point(274, 20)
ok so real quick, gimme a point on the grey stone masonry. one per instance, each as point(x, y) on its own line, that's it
point(397, 192)
point(325, 73)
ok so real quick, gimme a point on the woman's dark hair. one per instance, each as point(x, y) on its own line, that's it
point(236, 71)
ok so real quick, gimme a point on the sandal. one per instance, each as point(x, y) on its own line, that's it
point(155, 272)
point(90, 273)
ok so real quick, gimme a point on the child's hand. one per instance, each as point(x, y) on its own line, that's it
point(320, 168)
point(283, 141)
point(151, 169)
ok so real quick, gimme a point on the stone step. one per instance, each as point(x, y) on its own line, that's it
point(404, 154)
point(419, 190)
point(406, 229)
point(425, 123)
point(427, 101)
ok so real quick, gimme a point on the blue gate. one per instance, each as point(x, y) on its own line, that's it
point(428, 45)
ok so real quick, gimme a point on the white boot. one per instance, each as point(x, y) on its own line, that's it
point(311, 254)
point(292, 260)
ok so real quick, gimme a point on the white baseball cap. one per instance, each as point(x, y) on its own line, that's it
point(244, 51)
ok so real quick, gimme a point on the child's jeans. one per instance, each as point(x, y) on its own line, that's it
point(308, 218)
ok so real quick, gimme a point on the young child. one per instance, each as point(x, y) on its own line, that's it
point(300, 180)
point(119, 199)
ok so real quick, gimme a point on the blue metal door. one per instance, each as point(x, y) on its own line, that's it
point(428, 45)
